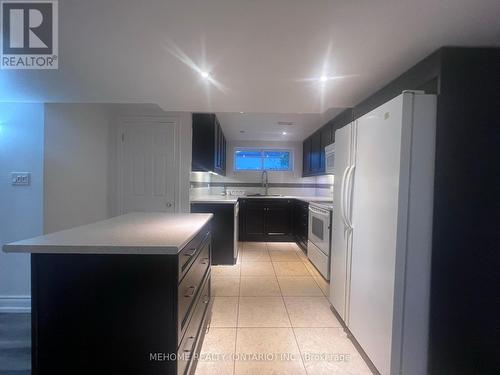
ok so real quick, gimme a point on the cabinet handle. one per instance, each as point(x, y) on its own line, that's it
point(190, 291)
point(190, 253)
point(206, 299)
point(189, 343)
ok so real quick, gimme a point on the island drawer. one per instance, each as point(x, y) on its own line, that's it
point(191, 284)
point(189, 253)
point(192, 335)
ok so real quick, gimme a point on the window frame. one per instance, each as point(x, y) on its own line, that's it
point(262, 150)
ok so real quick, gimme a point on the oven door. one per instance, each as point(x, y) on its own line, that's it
point(319, 228)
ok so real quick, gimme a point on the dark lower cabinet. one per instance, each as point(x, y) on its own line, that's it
point(222, 230)
point(253, 217)
point(278, 215)
point(301, 222)
point(120, 313)
point(266, 219)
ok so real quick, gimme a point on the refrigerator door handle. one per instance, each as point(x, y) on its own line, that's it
point(342, 198)
point(348, 204)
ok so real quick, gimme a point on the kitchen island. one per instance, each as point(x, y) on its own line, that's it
point(127, 295)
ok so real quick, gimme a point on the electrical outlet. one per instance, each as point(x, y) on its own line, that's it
point(20, 178)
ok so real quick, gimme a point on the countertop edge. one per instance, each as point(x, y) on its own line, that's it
point(223, 200)
point(94, 249)
point(19, 248)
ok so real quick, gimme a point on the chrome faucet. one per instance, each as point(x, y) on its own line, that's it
point(265, 184)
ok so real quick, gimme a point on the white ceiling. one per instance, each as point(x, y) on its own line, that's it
point(262, 54)
point(266, 127)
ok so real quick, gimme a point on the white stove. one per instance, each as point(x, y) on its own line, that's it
point(319, 238)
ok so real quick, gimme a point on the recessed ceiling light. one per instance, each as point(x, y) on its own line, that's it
point(242, 112)
point(323, 78)
point(284, 133)
point(204, 75)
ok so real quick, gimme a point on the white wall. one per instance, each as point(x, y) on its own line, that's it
point(76, 165)
point(322, 191)
point(21, 208)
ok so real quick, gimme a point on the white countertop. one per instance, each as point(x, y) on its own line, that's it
point(133, 233)
point(231, 199)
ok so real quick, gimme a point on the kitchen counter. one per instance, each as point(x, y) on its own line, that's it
point(133, 233)
point(234, 199)
point(121, 296)
point(229, 199)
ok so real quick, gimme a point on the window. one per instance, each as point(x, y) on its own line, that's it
point(246, 159)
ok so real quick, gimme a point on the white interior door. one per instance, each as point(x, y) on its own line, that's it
point(149, 167)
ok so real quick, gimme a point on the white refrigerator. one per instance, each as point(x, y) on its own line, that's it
point(382, 229)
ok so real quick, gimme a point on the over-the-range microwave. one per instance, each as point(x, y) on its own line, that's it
point(329, 158)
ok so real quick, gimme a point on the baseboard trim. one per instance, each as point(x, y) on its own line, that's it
point(15, 304)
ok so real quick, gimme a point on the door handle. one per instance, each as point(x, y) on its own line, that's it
point(349, 196)
point(168, 204)
point(342, 190)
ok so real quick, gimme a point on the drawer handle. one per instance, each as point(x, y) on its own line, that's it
point(205, 260)
point(190, 291)
point(190, 344)
point(190, 253)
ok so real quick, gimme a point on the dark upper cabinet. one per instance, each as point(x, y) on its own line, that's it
point(209, 144)
point(306, 157)
point(316, 152)
point(313, 148)
point(313, 155)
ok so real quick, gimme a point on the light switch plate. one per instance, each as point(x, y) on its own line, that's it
point(20, 178)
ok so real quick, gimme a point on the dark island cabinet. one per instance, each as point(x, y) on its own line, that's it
point(266, 220)
point(209, 144)
point(121, 313)
point(223, 227)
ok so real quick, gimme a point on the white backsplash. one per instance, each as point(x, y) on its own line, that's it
point(201, 184)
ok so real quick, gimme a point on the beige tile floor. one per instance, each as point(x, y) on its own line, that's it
point(271, 315)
